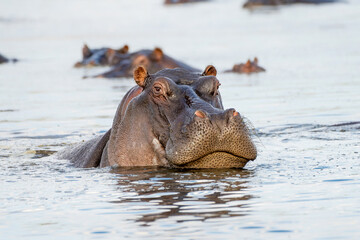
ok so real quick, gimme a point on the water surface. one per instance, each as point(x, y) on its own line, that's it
point(305, 110)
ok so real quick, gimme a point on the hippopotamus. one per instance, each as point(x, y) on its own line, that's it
point(257, 3)
point(101, 56)
point(3, 59)
point(183, 1)
point(248, 67)
point(152, 60)
point(173, 118)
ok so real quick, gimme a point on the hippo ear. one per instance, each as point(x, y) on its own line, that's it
point(124, 49)
point(140, 75)
point(157, 54)
point(256, 60)
point(248, 63)
point(86, 51)
point(210, 70)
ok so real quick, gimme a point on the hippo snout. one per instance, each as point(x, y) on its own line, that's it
point(220, 120)
point(217, 139)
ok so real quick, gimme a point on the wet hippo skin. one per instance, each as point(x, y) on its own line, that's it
point(173, 118)
point(100, 56)
point(183, 1)
point(152, 60)
point(258, 3)
point(248, 67)
point(4, 59)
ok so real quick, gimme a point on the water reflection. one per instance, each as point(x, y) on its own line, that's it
point(185, 195)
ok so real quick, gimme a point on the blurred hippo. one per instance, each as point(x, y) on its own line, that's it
point(173, 118)
point(152, 60)
point(101, 56)
point(248, 67)
point(3, 59)
point(183, 1)
point(257, 3)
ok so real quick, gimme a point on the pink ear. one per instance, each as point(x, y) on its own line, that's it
point(140, 75)
point(86, 51)
point(210, 71)
point(124, 49)
point(157, 54)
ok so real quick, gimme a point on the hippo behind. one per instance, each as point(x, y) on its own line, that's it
point(183, 1)
point(3, 59)
point(258, 3)
point(248, 67)
point(152, 60)
point(100, 56)
point(173, 118)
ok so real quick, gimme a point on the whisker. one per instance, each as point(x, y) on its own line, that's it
point(254, 134)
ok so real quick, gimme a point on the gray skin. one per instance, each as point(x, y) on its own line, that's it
point(248, 67)
point(183, 1)
point(257, 3)
point(173, 118)
point(152, 60)
point(3, 59)
point(101, 56)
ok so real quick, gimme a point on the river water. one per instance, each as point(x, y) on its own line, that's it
point(305, 109)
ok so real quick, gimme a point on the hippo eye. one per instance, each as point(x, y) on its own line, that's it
point(215, 93)
point(157, 89)
point(140, 60)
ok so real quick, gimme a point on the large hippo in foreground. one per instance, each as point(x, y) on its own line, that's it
point(173, 118)
point(152, 60)
point(258, 3)
point(100, 56)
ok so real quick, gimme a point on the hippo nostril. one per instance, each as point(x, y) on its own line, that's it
point(230, 113)
point(200, 114)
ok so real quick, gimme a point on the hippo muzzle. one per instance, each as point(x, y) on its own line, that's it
point(217, 140)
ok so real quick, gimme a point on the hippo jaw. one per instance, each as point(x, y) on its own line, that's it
point(217, 160)
point(220, 140)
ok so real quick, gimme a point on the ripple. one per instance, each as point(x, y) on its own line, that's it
point(8, 110)
point(338, 180)
point(279, 231)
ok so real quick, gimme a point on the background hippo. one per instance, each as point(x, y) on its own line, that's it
point(248, 67)
point(183, 1)
point(100, 56)
point(256, 3)
point(3, 59)
point(173, 118)
point(152, 60)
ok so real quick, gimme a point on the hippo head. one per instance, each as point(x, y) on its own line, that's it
point(184, 126)
point(153, 60)
point(248, 67)
point(100, 56)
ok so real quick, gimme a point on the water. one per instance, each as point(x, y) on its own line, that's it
point(305, 109)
